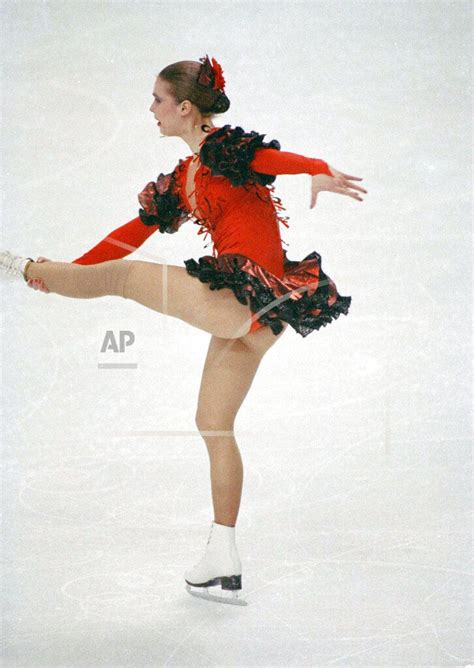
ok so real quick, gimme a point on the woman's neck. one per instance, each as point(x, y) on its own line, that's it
point(194, 141)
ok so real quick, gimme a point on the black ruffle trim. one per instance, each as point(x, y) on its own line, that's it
point(229, 151)
point(251, 292)
point(169, 215)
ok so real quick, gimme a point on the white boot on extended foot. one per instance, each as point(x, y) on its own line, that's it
point(14, 264)
point(219, 565)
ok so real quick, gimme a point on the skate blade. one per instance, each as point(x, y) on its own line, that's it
point(233, 598)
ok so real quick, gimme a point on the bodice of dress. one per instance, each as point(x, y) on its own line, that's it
point(238, 219)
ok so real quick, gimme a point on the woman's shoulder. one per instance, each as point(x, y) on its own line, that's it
point(229, 150)
point(236, 135)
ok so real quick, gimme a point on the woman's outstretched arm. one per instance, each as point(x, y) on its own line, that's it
point(273, 161)
point(129, 237)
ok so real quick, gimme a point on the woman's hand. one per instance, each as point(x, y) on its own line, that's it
point(37, 283)
point(337, 183)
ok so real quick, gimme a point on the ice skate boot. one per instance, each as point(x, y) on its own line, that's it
point(219, 565)
point(14, 265)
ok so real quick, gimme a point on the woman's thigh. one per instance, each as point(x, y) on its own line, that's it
point(229, 370)
point(170, 289)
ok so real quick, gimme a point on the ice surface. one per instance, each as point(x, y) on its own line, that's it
point(355, 524)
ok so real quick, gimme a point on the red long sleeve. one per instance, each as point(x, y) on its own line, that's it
point(134, 234)
point(273, 161)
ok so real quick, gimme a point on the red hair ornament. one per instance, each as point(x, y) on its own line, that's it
point(211, 74)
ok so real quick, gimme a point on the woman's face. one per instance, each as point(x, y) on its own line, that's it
point(164, 109)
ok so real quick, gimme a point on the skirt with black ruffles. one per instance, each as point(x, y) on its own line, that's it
point(306, 298)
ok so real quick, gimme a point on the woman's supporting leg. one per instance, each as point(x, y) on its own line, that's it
point(227, 473)
point(229, 370)
point(165, 288)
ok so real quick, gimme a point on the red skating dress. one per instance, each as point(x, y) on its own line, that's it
point(227, 192)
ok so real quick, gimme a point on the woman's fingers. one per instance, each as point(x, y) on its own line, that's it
point(346, 191)
point(341, 178)
point(37, 283)
point(339, 183)
point(342, 185)
point(346, 176)
point(362, 190)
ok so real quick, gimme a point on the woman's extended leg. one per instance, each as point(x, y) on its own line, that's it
point(229, 370)
point(165, 288)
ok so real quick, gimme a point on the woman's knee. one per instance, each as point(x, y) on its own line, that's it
point(218, 426)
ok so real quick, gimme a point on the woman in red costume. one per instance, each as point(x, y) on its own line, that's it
point(245, 294)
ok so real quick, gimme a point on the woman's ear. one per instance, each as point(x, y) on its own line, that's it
point(186, 106)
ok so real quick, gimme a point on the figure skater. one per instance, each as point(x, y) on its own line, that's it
point(245, 294)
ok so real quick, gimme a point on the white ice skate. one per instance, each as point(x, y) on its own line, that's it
point(14, 265)
point(219, 565)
